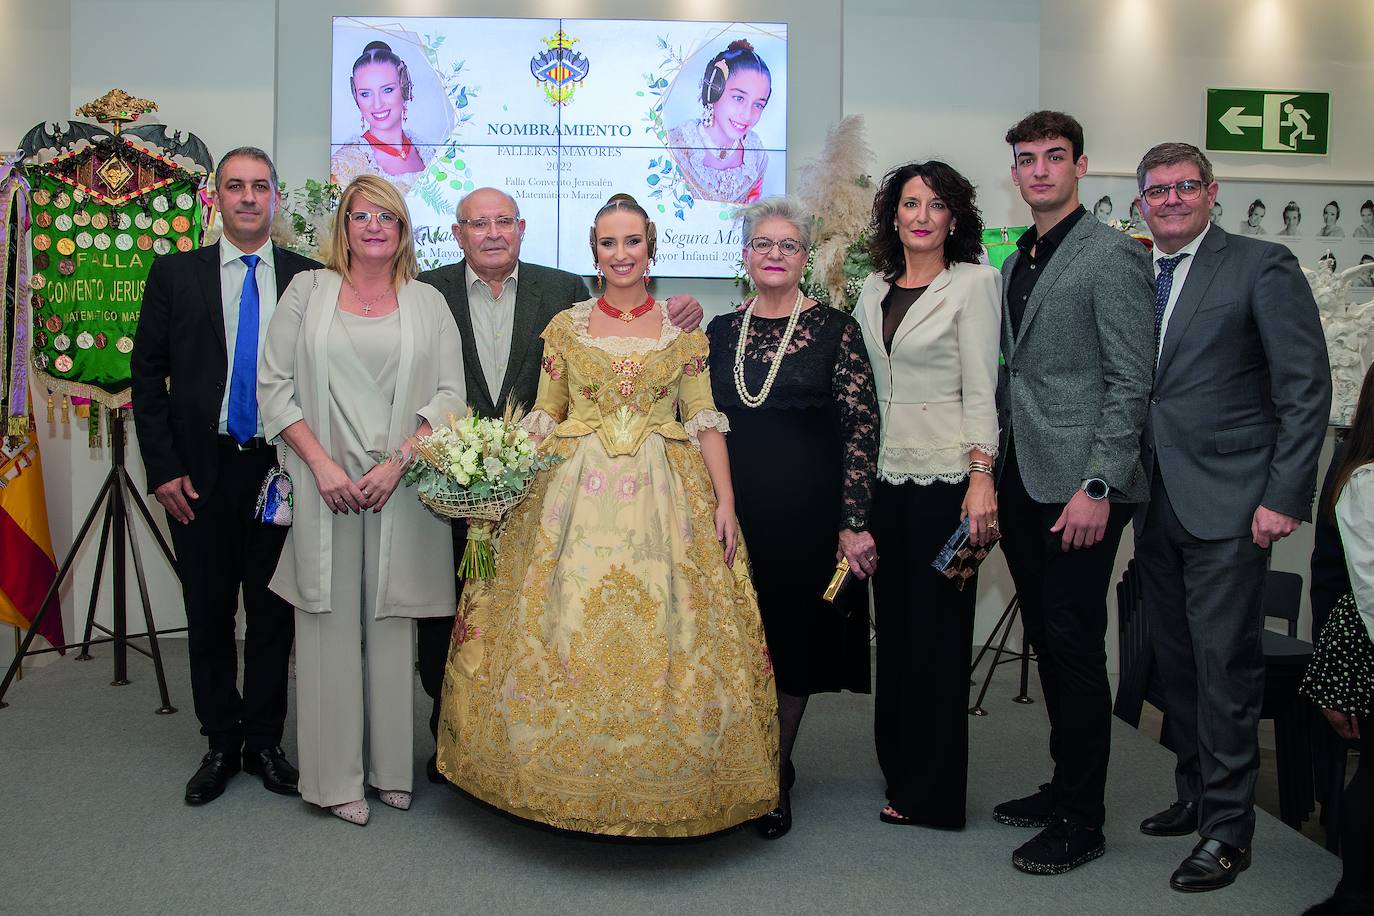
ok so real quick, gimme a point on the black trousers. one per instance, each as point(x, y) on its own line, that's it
point(925, 637)
point(1202, 601)
point(222, 551)
point(432, 635)
point(1357, 825)
point(1063, 598)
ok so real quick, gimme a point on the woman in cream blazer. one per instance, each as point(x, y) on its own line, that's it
point(930, 316)
point(359, 359)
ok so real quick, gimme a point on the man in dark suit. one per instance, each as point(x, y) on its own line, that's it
point(1076, 344)
point(194, 369)
point(1241, 395)
point(502, 305)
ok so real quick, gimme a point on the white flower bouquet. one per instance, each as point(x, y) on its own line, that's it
point(476, 469)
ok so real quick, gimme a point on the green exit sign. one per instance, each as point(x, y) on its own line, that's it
point(1268, 121)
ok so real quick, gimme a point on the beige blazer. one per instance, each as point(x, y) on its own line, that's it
point(937, 389)
point(415, 574)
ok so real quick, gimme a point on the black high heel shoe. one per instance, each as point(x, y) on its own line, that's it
point(777, 822)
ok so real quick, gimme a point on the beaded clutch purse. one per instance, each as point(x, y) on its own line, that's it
point(958, 559)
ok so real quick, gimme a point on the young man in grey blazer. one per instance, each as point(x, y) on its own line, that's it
point(1072, 398)
point(1241, 397)
point(502, 305)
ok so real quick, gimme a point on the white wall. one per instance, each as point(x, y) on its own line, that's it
point(1135, 72)
point(940, 80)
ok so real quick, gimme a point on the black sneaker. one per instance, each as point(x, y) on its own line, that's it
point(1060, 847)
point(1032, 811)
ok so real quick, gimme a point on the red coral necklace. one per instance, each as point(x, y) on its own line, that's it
point(631, 315)
point(378, 144)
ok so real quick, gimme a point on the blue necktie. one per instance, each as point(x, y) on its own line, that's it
point(243, 382)
point(1163, 284)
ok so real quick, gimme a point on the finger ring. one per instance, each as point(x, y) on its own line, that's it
point(992, 524)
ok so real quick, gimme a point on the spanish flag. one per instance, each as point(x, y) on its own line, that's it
point(27, 563)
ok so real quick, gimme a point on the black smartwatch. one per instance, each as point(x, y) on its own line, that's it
point(1095, 487)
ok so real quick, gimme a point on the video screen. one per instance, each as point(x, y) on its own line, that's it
point(688, 117)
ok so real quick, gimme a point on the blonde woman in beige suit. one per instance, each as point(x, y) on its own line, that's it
point(930, 317)
point(359, 360)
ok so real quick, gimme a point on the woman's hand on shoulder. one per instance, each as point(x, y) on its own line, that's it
point(859, 548)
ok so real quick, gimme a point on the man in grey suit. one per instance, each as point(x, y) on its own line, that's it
point(1072, 398)
point(1236, 420)
point(502, 305)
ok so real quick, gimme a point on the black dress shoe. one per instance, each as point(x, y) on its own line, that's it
point(1179, 819)
point(778, 821)
point(1212, 865)
point(278, 775)
point(1032, 811)
point(1060, 847)
point(208, 784)
point(432, 770)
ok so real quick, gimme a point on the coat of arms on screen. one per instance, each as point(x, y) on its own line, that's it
point(559, 68)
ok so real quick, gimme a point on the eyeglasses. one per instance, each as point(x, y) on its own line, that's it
point(482, 224)
point(385, 218)
point(764, 245)
point(1188, 189)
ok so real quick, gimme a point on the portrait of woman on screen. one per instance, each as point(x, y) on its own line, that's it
point(386, 144)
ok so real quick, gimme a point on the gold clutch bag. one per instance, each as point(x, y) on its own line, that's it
point(839, 581)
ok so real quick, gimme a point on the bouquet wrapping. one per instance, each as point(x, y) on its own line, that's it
point(476, 469)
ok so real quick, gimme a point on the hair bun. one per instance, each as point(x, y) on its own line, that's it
point(376, 46)
point(740, 44)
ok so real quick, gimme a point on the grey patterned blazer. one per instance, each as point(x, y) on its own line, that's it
point(1076, 380)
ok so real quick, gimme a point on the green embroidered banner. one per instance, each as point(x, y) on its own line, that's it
point(90, 261)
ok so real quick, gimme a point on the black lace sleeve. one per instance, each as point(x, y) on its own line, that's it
point(857, 404)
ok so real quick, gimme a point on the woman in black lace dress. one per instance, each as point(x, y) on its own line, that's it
point(793, 379)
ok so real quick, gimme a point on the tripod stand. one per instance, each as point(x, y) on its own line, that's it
point(1004, 623)
point(117, 530)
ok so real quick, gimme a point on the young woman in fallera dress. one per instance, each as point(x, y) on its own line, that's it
point(612, 678)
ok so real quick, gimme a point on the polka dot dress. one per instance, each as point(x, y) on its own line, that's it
point(1341, 672)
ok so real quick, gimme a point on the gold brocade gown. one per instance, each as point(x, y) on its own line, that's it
point(612, 678)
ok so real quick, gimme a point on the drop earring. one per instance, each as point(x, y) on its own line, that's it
point(362, 123)
point(708, 115)
point(646, 278)
point(600, 280)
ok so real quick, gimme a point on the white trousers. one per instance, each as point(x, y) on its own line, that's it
point(355, 685)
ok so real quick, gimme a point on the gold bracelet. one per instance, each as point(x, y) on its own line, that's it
point(979, 467)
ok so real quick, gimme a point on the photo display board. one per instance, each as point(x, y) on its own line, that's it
point(689, 118)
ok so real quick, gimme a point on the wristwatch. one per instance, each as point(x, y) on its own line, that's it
point(855, 524)
point(1095, 487)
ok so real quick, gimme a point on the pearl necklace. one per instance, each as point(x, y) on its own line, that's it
point(756, 400)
